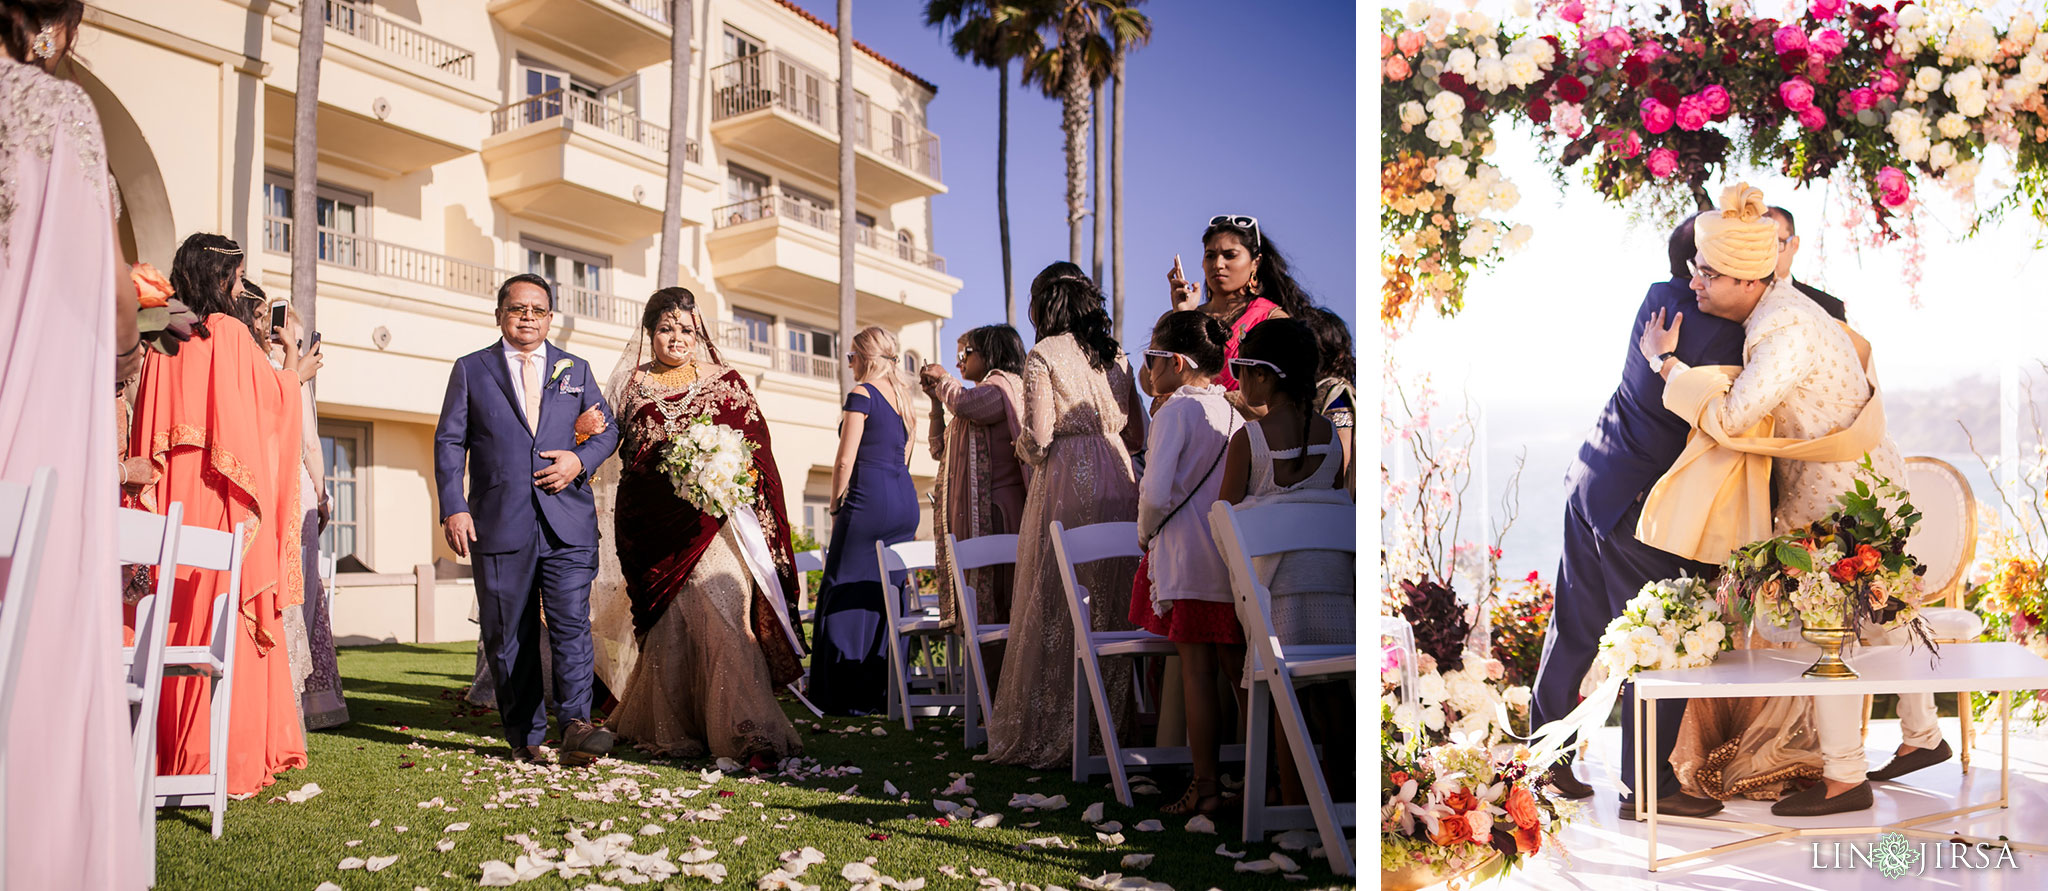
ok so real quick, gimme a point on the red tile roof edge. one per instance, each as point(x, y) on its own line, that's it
point(885, 60)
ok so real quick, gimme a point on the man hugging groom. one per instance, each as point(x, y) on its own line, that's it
point(1729, 303)
point(528, 520)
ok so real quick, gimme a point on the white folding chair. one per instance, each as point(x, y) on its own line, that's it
point(977, 553)
point(1275, 668)
point(147, 539)
point(807, 599)
point(913, 619)
point(1076, 547)
point(24, 517)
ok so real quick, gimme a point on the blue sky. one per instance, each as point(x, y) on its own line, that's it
point(1234, 108)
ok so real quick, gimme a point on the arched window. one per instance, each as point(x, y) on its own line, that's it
point(905, 247)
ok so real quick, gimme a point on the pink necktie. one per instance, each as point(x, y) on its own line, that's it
point(529, 375)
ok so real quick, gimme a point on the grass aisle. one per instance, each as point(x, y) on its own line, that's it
point(418, 763)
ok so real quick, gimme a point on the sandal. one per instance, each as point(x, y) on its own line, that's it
point(1196, 800)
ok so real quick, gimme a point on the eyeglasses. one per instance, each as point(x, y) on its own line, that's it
point(1704, 275)
point(527, 312)
point(1242, 362)
point(963, 354)
point(1168, 354)
point(1239, 221)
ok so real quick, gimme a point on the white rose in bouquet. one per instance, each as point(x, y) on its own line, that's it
point(710, 466)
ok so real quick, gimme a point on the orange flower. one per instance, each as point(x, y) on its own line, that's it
point(1528, 839)
point(151, 288)
point(1461, 801)
point(1844, 571)
point(1521, 807)
point(1399, 777)
point(1453, 830)
point(1868, 559)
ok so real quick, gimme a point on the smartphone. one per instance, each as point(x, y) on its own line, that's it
point(316, 342)
point(277, 314)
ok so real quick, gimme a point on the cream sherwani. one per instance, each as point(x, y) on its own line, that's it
point(1800, 369)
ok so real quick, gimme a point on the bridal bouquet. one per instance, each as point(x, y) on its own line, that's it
point(1668, 624)
point(1846, 567)
point(711, 466)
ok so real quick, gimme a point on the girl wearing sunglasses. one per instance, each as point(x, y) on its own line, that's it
point(1291, 454)
point(1247, 283)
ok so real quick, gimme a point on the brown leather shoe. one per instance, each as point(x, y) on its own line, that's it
point(530, 755)
point(1677, 804)
point(1813, 801)
point(1912, 761)
point(584, 742)
point(1560, 776)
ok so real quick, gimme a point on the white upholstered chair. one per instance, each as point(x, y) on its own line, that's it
point(1945, 541)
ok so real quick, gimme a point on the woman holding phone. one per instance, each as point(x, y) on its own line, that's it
point(1247, 283)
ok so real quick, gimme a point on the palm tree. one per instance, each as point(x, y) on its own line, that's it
point(991, 34)
point(1128, 29)
point(847, 220)
point(666, 273)
point(306, 160)
point(1101, 172)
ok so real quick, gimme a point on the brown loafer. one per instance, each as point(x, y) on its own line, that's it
point(1813, 801)
point(1912, 761)
point(530, 755)
point(1677, 804)
point(1560, 776)
point(584, 742)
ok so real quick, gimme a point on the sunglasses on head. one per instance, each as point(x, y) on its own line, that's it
point(1239, 221)
point(1242, 362)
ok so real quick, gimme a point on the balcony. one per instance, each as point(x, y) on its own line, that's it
point(779, 245)
point(382, 259)
point(613, 37)
point(777, 107)
point(581, 164)
point(739, 350)
point(400, 40)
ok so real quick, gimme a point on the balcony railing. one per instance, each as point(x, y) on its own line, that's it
point(733, 339)
point(653, 9)
point(915, 149)
point(579, 110)
point(433, 52)
point(807, 214)
point(397, 261)
point(768, 80)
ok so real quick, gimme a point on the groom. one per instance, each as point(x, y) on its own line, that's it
point(1635, 441)
point(511, 412)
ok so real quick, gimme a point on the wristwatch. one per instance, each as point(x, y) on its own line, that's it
point(1657, 364)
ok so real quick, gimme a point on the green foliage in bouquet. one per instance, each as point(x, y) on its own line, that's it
point(1520, 619)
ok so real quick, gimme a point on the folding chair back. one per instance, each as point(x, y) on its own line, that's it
point(912, 619)
point(807, 562)
point(1264, 532)
point(214, 661)
point(977, 553)
point(24, 518)
point(1088, 544)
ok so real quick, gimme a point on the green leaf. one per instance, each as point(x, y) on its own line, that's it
point(1795, 556)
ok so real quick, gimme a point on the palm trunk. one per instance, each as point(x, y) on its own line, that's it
point(1101, 179)
point(306, 162)
point(1074, 121)
point(1116, 195)
point(668, 271)
point(847, 220)
point(1003, 188)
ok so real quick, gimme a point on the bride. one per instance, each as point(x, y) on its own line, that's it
point(689, 610)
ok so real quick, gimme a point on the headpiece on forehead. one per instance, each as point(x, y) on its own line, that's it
point(1738, 239)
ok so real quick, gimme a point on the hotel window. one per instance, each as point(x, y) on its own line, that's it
point(345, 453)
point(342, 216)
point(864, 229)
point(811, 210)
point(811, 351)
point(757, 330)
point(739, 44)
point(817, 519)
point(565, 267)
point(744, 194)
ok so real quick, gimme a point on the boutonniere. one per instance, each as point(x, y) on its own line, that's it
point(561, 365)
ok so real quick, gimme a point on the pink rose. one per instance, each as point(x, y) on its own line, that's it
point(1572, 12)
point(1828, 42)
point(1893, 187)
point(1386, 46)
point(1825, 9)
point(1657, 117)
point(1410, 42)
point(1396, 68)
point(1788, 38)
point(1717, 99)
point(1693, 113)
point(1624, 143)
point(1618, 40)
point(1650, 52)
point(1812, 118)
point(1570, 119)
point(1862, 98)
point(1888, 82)
point(1662, 163)
point(1797, 94)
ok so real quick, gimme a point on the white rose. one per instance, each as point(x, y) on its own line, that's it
point(1518, 237)
point(2034, 70)
point(1927, 78)
point(1965, 172)
point(1493, 75)
point(1451, 170)
point(1954, 126)
point(1461, 62)
point(1522, 69)
point(1408, 715)
point(2022, 28)
point(1487, 49)
point(1905, 125)
point(1447, 105)
point(1418, 12)
point(1714, 631)
point(1413, 113)
point(1430, 688)
point(1433, 718)
point(1521, 9)
point(1443, 132)
point(1471, 198)
point(1943, 156)
point(1475, 244)
point(1971, 105)
point(1910, 17)
point(1506, 196)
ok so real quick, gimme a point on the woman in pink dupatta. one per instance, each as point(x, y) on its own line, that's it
point(72, 818)
point(982, 485)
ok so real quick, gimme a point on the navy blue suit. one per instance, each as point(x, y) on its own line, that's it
point(1636, 440)
point(534, 551)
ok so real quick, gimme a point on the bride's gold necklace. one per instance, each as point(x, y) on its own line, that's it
point(673, 378)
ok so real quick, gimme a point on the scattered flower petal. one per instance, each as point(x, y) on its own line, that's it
point(1093, 814)
point(1150, 826)
point(1137, 861)
point(1224, 850)
point(1202, 825)
point(351, 863)
point(988, 821)
point(377, 864)
point(304, 792)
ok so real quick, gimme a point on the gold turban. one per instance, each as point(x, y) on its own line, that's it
point(1738, 239)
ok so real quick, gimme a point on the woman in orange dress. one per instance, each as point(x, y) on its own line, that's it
point(220, 427)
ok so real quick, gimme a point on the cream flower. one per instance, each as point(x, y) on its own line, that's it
point(1461, 62)
point(1413, 113)
point(1954, 126)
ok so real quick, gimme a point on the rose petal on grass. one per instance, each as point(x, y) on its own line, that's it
point(304, 792)
point(1093, 814)
point(988, 821)
point(1285, 862)
point(377, 864)
point(1137, 861)
point(1296, 840)
point(1111, 826)
point(445, 845)
point(328, 886)
point(958, 787)
point(878, 732)
point(457, 827)
point(1111, 839)
point(1225, 851)
point(351, 863)
point(1202, 825)
point(1262, 867)
point(1150, 826)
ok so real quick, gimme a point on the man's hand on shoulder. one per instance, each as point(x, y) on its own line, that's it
point(566, 469)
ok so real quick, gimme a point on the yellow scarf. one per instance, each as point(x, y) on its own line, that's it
point(1717, 496)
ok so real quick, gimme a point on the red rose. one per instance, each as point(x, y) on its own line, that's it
point(1461, 801)
point(1571, 89)
point(1399, 777)
point(1528, 839)
point(1844, 571)
point(1521, 807)
point(1539, 110)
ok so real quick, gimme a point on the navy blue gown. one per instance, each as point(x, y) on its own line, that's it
point(849, 664)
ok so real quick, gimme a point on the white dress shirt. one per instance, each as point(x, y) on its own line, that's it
point(540, 358)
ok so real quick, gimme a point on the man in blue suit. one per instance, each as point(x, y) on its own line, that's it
point(1633, 445)
point(510, 415)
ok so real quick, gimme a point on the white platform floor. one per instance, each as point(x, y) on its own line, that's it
point(1603, 852)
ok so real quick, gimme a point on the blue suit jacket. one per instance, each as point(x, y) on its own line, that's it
point(1637, 438)
point(484, 426)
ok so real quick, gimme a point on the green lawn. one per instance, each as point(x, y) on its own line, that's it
point(413, 740)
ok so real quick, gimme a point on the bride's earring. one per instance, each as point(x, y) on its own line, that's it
point(44, 45)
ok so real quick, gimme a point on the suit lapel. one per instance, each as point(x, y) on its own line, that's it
point(494, 365)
